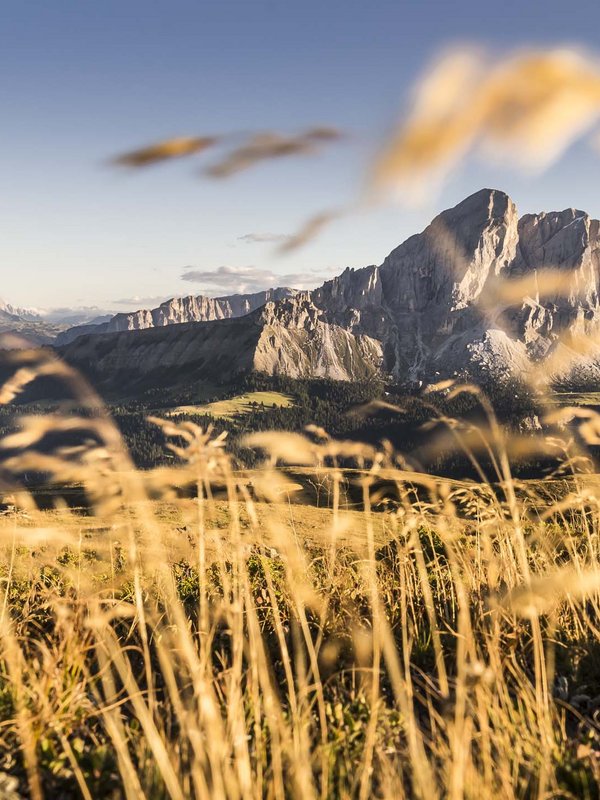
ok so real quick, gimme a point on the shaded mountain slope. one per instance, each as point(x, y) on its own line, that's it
point(287, 338)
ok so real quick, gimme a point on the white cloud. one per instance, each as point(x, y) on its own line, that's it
point(138, 301)
point(228, 280)
point(253, 238)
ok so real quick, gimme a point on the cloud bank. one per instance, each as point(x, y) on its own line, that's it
point(229, 280)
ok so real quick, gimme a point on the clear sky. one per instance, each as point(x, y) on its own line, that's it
point(81, 81)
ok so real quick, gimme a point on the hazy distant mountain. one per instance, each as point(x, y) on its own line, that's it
point(24, 314)
point(437, 306)
point(76, 316)
point(42, 326)
point(23, 327)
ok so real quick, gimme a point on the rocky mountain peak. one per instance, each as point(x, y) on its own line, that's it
point(298, 312)
point(449, 263)
point(432, 301)
point(433, 308)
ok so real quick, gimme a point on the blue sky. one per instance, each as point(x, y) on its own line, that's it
point(83, 81)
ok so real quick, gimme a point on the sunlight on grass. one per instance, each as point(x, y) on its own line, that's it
point(235, 406)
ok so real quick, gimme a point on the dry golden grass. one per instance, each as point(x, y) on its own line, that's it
point(443, 645)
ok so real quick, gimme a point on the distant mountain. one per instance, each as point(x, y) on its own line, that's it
point(180, 310)
point(469, 295)
point(76, 316)
point(20, 327)
point(24, 314)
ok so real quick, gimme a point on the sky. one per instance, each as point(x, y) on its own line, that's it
point(83, 81)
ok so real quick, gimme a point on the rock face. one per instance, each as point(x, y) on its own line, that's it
point(438, 303)
point(180, 310)
point(479, 292)
point(287, 338)
point(298, 342)
point(421, 302)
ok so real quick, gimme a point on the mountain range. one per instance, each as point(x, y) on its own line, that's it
point(179, 310)
point(27, 325)
point(40, 326)
point(481, 292)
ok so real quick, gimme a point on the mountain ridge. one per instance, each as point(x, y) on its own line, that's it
point(180, 310)
point(433, 308)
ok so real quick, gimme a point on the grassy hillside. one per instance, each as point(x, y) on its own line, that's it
point(331, 623)
point(236, 406)
point(401, 636)
point(167, 649)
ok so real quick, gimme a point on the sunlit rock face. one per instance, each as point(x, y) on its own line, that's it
point(289, 338)
point(297, 341)
point(424, 296)
point(479, 293)
point(435, 303)
point(196, 309)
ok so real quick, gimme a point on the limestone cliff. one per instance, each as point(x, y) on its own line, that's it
point(436, 302)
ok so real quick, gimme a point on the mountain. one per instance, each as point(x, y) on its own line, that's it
point(422, 303)
point(480, 292)
point(284, 337)
point(44, 326)
point(76, 316)
point(21, 327)
point(25, 314)
point(180, 310)
point(438, 302)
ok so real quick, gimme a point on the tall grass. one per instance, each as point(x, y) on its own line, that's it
point(247, 646)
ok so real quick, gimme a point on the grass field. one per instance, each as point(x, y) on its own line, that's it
point(259, 647)
point(235, 406)
point(575, 398)
point(397, 636)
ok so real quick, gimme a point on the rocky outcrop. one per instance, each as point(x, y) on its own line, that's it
point(297, 341)
point(423, 299)
point(438, 302)
point(288, 338)
point(180, 310)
